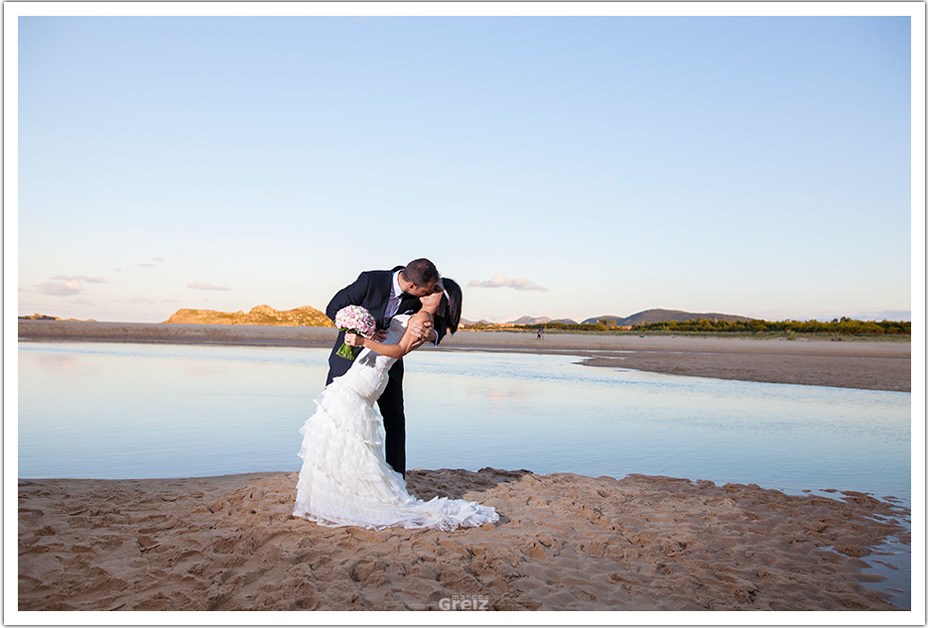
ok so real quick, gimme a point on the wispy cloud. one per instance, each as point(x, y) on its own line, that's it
point(61, 288)
point(609, 177)
point(500, 281)
point(279, 195)
point(206, 286)
point(140, 300)
point(157, 259)
point(67, 285)
point(79, 278)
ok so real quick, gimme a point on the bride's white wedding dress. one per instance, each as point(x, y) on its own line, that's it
point(345, 479)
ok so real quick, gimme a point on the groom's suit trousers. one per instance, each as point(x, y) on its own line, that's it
point(371, 290)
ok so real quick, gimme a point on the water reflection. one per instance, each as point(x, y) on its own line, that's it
point(119, 410)
point(66, 365)
point(203, 369)
point(493, 391)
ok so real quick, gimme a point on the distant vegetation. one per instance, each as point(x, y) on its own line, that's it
point(46, 317)
point(678, 321)
point(39, 317)
point(842, 326)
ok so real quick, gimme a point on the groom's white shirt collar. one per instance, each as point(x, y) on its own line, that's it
point(396, 294)
point(397, 291)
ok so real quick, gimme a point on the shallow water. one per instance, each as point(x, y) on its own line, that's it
point(106, 410)
point(110, 410)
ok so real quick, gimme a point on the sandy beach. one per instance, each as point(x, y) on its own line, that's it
point(563, 542)
point(874, 365)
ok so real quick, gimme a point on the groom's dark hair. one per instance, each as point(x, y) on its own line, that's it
point(421, 272)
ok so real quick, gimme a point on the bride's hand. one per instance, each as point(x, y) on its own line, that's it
point(353, 340)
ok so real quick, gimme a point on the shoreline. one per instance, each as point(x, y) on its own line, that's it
point(862, 365)
point(563, 542)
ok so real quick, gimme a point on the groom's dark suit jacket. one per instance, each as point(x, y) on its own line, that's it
point(371, 290)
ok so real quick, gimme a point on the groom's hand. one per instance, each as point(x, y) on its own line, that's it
point(421, 330)
point(380, 335)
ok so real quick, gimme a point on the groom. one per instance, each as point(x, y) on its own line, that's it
point(386, 293)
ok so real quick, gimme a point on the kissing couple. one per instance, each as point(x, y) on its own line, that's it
point(354, 461)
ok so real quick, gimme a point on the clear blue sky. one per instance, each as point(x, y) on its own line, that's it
point(755, 166)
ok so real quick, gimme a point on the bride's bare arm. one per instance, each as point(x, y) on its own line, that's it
point(407, 343)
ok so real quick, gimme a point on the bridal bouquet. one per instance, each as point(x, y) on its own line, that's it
point(357, 320)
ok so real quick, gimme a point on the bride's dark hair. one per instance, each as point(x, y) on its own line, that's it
point(452, 314)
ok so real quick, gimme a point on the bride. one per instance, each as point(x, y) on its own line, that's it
point(345, 479)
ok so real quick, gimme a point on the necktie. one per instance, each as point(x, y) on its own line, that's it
point(393, 306)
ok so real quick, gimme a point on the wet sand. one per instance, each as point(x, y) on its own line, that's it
point(875, 365)
point(563, 542)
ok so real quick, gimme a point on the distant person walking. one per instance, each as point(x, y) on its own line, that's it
point(541, 334)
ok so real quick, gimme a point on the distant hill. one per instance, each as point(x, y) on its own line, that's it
point(659, 316)
point(641, 318)
point(482, 321)
point(39, 317)
point(611, 319)
point(530, 320)
point(46, 317)
point(259, 315)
